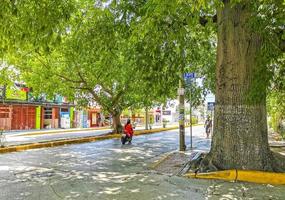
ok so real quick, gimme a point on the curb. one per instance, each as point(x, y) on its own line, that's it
point(161, 160)
point(55, 143)
point(277, 146)
point(260, 177)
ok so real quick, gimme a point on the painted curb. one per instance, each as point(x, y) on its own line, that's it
point(75, 130)
point(260, 177)
point(55, 143)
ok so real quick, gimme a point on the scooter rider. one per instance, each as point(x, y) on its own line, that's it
point(128, 129)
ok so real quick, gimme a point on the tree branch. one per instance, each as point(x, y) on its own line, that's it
point(67, 79)
point(203, 20)
point(110, 92)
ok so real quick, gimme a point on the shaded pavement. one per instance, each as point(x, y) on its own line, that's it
point(107, 170)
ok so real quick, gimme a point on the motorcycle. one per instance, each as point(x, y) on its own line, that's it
point(125, 138)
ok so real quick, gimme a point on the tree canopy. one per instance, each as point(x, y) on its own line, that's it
point(32, 24)
point(133, 53)
point(93, 62)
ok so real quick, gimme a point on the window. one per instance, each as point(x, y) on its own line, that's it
point(64, 109)
point(48, 113)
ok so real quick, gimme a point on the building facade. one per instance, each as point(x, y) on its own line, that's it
point(19, 110)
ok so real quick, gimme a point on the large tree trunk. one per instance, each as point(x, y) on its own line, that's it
point(117, 126)
point(240, 126)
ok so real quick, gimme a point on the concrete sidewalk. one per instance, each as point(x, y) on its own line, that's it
point(50, 131)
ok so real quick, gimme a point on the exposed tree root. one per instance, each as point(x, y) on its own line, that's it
point(278, 162)
point(204, 164)
point(207, 165)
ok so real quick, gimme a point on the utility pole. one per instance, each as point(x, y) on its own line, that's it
point(191, 136)
point(182, 146)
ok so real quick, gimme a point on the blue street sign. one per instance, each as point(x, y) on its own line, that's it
point(211, 106)
point(189, 75)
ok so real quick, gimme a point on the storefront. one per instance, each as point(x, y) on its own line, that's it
point(94, 118)
point(15, 112)
point(17, 117)
point(65, 121)
point(81, 119)
point(23, 117)
point(5, 117)
point(158, 116)
point(20, 110)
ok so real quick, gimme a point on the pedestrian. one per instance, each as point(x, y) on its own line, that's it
point(99, 120)
point(128, 129)
point(208, 126)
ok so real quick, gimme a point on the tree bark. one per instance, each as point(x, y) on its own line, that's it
point(146, 118)
point(240, 138)
point(117, 126)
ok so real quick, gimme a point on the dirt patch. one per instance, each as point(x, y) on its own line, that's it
point(172, 163)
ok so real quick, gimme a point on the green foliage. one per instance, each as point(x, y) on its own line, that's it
point(8, 74)
point(125, 54)
point(29, 26)
point(268, 18)
point(93, 62)
point(169, 40)
point(33, 24)
point(195, 93)
point(276, 110)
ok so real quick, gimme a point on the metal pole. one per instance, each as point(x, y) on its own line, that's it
point(182, 146)
point(190, 100)
point(211, 123)
point(191, 137)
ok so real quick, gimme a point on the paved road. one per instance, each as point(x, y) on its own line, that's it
point(106, 170)
point(17, 138)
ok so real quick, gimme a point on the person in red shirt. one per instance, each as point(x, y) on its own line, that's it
point(128, 129)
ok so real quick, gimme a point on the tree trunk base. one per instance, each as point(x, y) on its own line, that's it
point(278, 162)
point(204, 163)
point(117, 126)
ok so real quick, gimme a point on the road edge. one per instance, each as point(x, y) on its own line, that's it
point(260, 177)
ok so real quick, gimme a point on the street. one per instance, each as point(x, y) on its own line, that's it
point(108, 170)
point(17, 138)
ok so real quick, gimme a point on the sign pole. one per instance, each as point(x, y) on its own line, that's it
point(182, 146)
point(191, 135)
point(212, 124)
point(189, 77)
